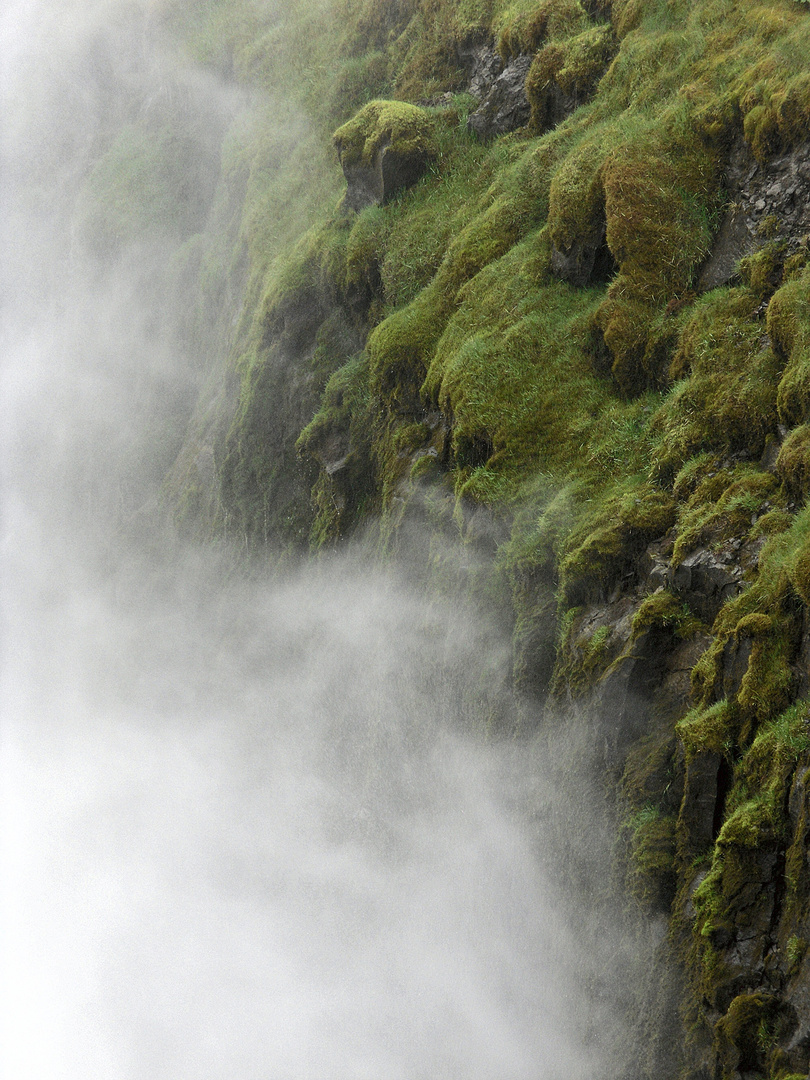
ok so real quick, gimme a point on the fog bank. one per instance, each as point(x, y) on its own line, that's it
point(251, 825)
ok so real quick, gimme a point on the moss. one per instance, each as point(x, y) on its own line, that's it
point(407, 129)
point(789, 329)
point(742, 1036)
point(576, 210)
point(666, 611)
point(604, 543)
point(651, 877)
point(725, 396)
point(722, 506)
point(572, 67)
point(549, 19)
point(581, 657)
point(762, 271)
point(793, 462)
point(713, 728)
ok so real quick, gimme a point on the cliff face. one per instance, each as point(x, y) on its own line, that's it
point(556, 312)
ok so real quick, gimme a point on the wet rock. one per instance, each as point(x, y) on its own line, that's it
point(626, 692)
point(779, 189)
point(386, 147)
point(505, 106)
point(586, 261)
point(697, 822)
point(483, 66)
point(705, 580)
point(736, 656)
point(654, 568)
point(389, 172)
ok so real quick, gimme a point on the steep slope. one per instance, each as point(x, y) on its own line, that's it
point(558, 323)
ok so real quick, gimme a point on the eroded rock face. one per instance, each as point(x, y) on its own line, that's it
point(505, 106)
point(585, 262)
point(389, 172)
point(779, 188)
point(483, 65)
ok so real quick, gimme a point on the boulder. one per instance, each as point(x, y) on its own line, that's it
point(386, 147)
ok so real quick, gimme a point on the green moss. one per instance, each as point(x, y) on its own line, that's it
point(581, 657)
point(744, 1035)
point(713, 728)
point(576, 196)
point(604, 542)
point(789, 329)
point(651, 877)
point(725, 398)
point(793, 463)
point(722, 506)
point(407, 129)
point(762, 271)
point(524, 31)
point(573, 67)
point(666, 611)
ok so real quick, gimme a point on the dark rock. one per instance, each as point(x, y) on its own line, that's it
point(697, 821)
point(705, 581)
point(389, 172)
point(505, 106)
point(654, 568)
point(736, 655)
point(483, 66)
point(780, 188)
point(625, 694)
point(585, 262)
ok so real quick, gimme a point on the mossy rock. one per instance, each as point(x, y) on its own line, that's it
point(789, 329)
point(547, 20)
point(742, 1036)
point(606, 542)
point(564, 74)
point(652, 877)
point(793, 462)
point(386, 147)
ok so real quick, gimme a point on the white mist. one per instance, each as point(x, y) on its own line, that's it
point(249, 831)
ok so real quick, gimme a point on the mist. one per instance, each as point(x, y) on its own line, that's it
point(252, 825)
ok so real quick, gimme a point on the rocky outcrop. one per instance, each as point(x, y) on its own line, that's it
point(765, 200)
point(386, 147)
point(505, 106)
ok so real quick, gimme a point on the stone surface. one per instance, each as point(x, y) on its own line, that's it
point(505, 106)
point(705, 580)
point(389, 172)
point(779, 188)
point(483, 66)
point(585, 261)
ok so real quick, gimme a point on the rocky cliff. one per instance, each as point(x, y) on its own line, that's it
point(524, 292)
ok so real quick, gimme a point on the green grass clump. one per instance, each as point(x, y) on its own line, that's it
point(789, 329)
point(725, 394)
point(651, 878)
point(722, 506)
point(406, 129)
point(793, 463)
point(572, 66)
point(714, 728)
point(525, 31)
point(665, 611)
point(606, 540)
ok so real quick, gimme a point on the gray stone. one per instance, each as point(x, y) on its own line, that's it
point(505, 106)
point(389, 172)
point(705, 581)
point(779, 188)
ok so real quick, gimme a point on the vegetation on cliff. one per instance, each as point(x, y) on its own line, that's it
point(581, 350)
